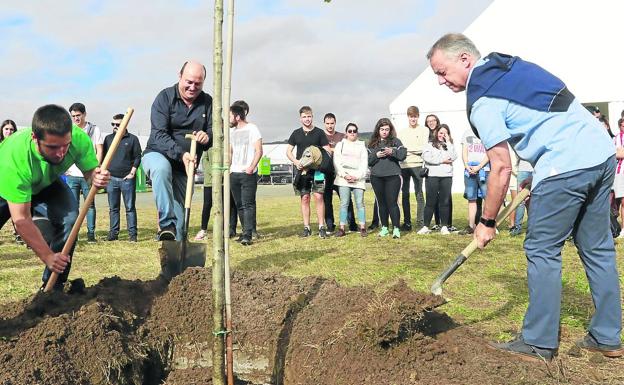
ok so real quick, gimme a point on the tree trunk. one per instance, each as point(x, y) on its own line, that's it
point(218, 364)
point(226, 190)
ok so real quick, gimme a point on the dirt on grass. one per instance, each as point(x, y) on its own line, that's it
point(286, 331)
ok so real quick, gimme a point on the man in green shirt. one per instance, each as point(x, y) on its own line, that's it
point(32, 162)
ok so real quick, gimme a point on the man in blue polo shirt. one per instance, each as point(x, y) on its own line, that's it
point(513, 101)
point(33, 161)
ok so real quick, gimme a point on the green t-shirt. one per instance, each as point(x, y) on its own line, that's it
point(25, 172)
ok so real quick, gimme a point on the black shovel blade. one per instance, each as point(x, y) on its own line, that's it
point(171, 261)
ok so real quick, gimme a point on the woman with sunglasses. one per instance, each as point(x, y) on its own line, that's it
point(384, 153)
point(439, 156)
point(8, 127)
point(351, 164)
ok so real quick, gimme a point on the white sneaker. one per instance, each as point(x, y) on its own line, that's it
point(424, 230)
point(201, 235)
point(621, 234)
point(444, 230)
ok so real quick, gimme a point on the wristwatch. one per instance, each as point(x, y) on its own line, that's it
point(488, 222)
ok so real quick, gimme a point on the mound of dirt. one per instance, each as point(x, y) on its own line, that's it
point(286, 331)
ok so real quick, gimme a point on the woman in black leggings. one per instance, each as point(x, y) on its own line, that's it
point(384, 153)
point(439, 156)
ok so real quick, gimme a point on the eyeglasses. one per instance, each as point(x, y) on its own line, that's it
point(115, 124)
point(351, 131)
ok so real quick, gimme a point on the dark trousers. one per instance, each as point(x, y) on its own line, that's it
point(387, 192)
point(438, 196)
point(57, 203)
point(118, 187)
point(328, 196)
point(244, 188)
point(207, 208)
point(375, 220)
point(412, 174)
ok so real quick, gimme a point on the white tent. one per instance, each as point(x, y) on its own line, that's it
point(578, 41)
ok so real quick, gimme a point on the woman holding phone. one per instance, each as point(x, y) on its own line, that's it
point(384, 153)
point(439, 156)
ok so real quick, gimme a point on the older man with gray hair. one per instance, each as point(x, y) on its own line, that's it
point(513, 101)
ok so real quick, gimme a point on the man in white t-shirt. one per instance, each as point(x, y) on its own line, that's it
point(476, 170)
point(245, 151)
point(75, 180)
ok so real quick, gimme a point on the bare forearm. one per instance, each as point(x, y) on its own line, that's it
point(497, 186)
point(33, 238)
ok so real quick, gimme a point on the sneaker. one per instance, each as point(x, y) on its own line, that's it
point(132, 238)
point(525, 351)
point(424, 230)
point(201, 235)
point(384, 232)
point(515, 231)
point(621, 234)
point(436, 228)
point(322, 232)
point(406, 227)
point(167, 233)
point(306, 232)
point(246, 241)
point(373, 226)
point(444, 230)
point(255, 235)
point(396, 234)
point(590, 343)
point(340, 233)
point(452, 229)
point(91, 238)
point(240, 238)
point(467, 231)
point(112, 237)
point(363, 233)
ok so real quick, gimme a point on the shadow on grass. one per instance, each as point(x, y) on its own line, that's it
point(575, 303)
point(282, 260)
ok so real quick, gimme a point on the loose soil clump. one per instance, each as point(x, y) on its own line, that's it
point(286, 331)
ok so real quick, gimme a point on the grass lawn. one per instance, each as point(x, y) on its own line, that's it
point(489, 290)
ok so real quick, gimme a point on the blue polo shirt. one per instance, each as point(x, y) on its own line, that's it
point(553, 142)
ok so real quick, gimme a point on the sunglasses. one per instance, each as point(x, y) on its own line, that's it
point(351, 131)
point(115, 124)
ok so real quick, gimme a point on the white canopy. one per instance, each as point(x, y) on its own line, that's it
point(578, 41)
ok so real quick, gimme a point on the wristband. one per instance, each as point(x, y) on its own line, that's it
point(488, 222)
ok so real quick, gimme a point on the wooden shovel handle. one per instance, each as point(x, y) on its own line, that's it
point(121, 131)
point(190, 172)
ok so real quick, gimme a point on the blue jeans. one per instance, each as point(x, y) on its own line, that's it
point(475, 186)
point(576, 203)
point(57, 203)
point(345, 199)
point(521, 177)
point(169, 187)
point(77, 185)
point(115, 189)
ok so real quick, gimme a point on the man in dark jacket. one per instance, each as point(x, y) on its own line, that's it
point(177, 111)
point(123, 167)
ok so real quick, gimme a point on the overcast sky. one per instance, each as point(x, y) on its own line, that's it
point(350, 57)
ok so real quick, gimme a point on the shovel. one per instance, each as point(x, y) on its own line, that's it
point(176, 256)
point(436, 288)
point(73, 235)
